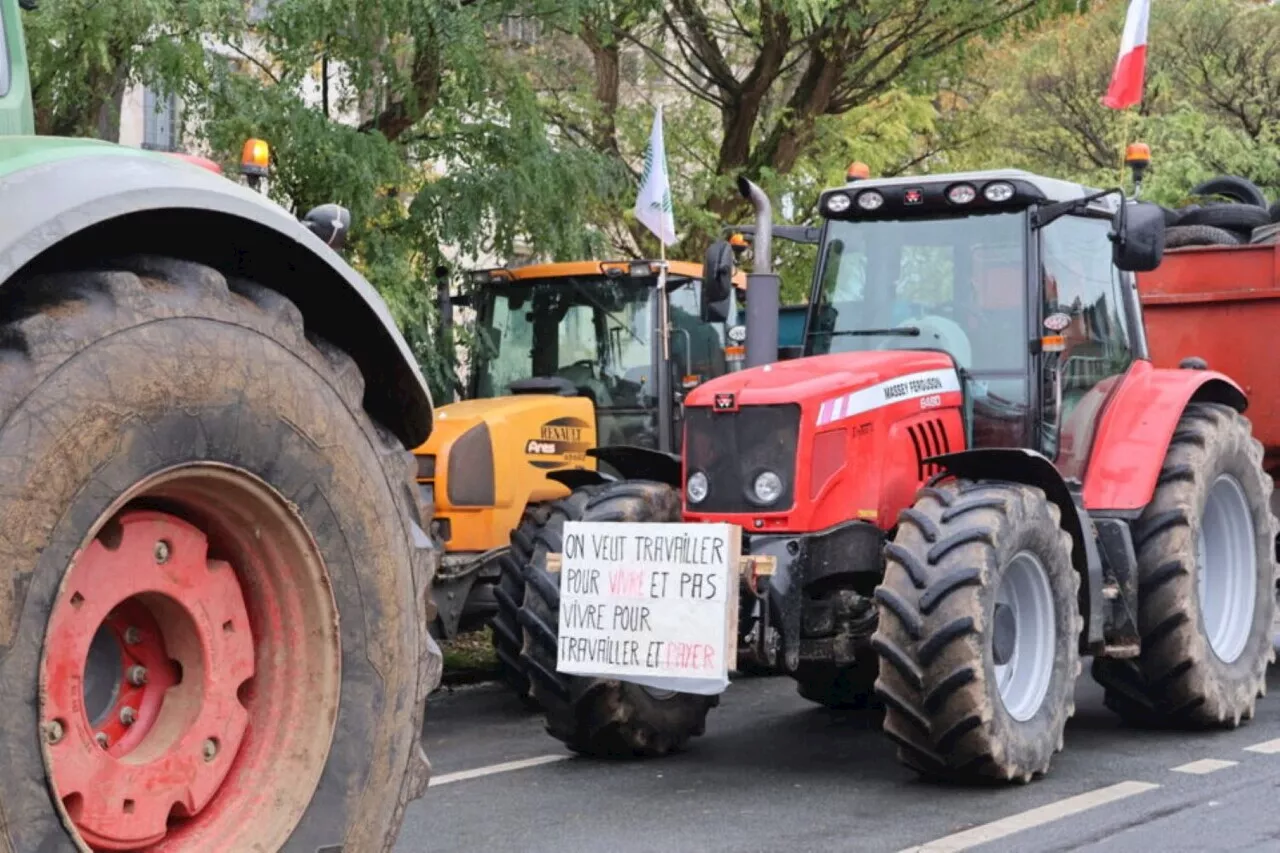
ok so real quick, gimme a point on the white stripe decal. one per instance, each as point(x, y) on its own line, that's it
point(909, 387)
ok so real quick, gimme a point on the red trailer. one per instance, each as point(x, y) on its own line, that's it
point(1221, 304)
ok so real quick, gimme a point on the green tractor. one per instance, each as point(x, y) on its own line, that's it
point(213, 570)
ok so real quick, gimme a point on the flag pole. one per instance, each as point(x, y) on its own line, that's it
point(665, 393)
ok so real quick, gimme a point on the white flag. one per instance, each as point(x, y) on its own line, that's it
point(653, 205)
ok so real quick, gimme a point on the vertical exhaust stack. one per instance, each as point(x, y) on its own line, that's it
point(763, 286)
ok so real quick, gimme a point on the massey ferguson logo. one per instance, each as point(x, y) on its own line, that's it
point(725, 403)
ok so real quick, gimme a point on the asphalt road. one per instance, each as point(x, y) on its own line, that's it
point(775, 773)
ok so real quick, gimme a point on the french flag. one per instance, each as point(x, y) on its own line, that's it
point(1126, 80)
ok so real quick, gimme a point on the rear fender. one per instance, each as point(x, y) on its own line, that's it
point(1136, 427)
point(1034, 469)
point(91, 207)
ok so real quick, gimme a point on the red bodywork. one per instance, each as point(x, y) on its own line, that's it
point(1137, 423)
point(1222, 303)
point(866, 421)
point(202, 162)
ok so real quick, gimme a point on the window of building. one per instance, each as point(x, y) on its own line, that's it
point(160, 127)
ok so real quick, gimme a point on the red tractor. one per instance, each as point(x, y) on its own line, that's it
point(972, 478)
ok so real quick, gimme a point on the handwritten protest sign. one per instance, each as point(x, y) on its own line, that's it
point(653, 604)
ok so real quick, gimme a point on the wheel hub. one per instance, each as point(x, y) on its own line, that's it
point(147, 646)
point(1004, 634)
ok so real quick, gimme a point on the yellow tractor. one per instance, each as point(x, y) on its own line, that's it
point(568, 377)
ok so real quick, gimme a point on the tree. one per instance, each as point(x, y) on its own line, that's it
point(1209, 108)
point(782, 91)
point(84, 55)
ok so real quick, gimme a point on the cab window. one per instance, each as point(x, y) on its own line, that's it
point(1083, 304)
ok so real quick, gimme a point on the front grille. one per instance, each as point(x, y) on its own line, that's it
point(930, 439)
point(733, 448)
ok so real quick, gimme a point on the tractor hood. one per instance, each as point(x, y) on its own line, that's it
point(821, 379)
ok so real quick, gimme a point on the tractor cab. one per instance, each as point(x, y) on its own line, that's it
point(586, 329)
point(1015, 276)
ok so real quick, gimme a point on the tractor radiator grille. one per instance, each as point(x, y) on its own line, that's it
point(733, 448)
point(930, 439)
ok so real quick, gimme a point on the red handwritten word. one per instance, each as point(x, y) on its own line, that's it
point(626, 582)
point(690, 655)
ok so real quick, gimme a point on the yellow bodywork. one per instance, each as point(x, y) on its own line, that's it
point(530, 435)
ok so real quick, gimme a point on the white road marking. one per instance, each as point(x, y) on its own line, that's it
point(1267, 747)
point(504, 767)
point(1204, 765)
point(1031, 818)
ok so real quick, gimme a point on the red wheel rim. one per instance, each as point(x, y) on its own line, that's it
point(165, 726)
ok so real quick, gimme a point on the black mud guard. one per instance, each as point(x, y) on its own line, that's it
point(97, 207)
point(576, 478)
point(641, 463)
point(1034, 469)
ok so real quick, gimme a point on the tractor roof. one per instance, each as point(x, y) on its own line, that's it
point(534, 272)
point(1050, 189)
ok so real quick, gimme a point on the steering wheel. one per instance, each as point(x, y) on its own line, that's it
point(584, 363)
point(936, 332)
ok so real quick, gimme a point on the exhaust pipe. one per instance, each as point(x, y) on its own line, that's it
point(763, 286)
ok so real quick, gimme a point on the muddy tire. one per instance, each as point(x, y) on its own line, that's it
point(1204, 617)
point(507, 634)
point(978, 632)
point(596, 716)
point(167, 437)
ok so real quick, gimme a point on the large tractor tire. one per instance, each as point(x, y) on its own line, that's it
point(212, 577)
point(507, 634)
point(595, 716)
point(978, 633)
point(1206, 581)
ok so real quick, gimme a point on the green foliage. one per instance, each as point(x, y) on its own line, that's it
point(1211, 105)
point(85, 53)
point(449, 142)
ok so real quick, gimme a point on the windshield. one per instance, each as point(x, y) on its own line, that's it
point(956, 284)
point(596, 334)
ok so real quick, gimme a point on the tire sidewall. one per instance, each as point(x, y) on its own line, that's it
point(1233, 458)
point(174, 391)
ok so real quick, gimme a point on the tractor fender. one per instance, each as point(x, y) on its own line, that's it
point(641, 463)
point(577, 478)
point(1137, 426)
point(95, 206)
point(1035, 469)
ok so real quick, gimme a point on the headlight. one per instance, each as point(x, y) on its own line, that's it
point(767, 487)
point(961, 194)
point(696, 488)
point(870, 200)
point(838, 202)
point(998, 192)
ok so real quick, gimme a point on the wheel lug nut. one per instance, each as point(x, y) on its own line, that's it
point(132, 636)
point(128, 716)
point(210, 749)
point(162, 551)
point(102, 739)
point(137, 675)
point(53, 731)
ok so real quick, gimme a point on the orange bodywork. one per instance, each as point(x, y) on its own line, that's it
point(1222, 304)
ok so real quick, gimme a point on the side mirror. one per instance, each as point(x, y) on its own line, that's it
point(717, 282)
point(329, 222)
point(1137, 238)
